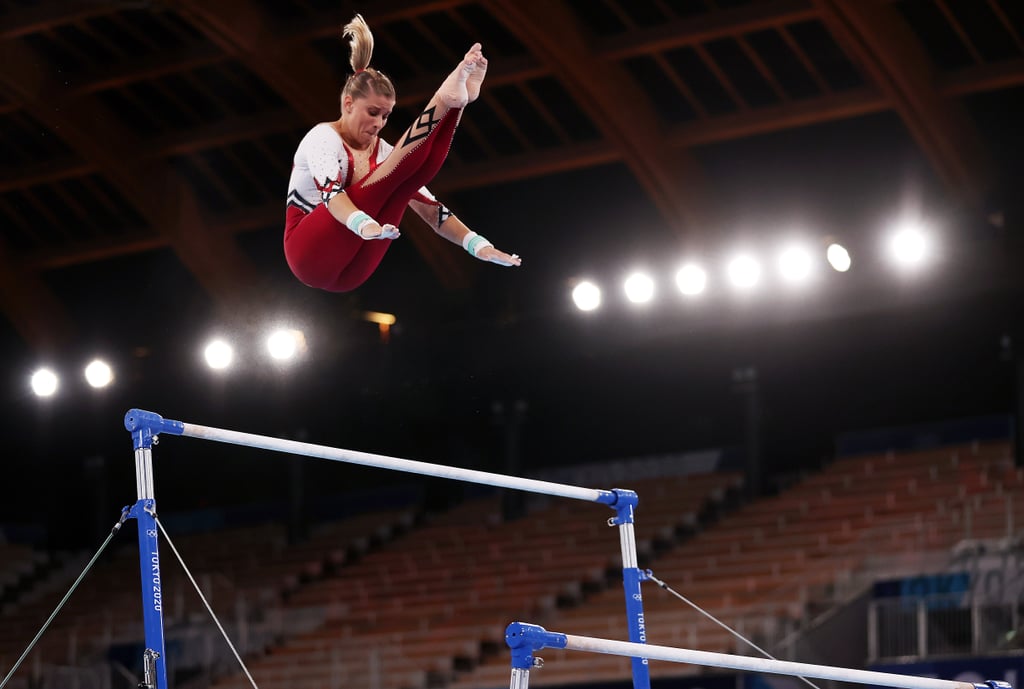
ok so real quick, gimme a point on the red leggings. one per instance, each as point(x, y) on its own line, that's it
point(323, 253)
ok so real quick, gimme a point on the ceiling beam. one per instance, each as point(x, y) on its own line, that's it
point(993, 76)
point(293, 70)
point(50, 14)
point(197, 139)
point(327, 24)
point(775, 118)
point(526, 166)
point(969, 80)
point(875, 36)
point(453, 178)
point(728, 23)
point(230, 223)
point(146, 68)
point(31, 306)
point(623, 114)
point(14, 178)
point(156, 192)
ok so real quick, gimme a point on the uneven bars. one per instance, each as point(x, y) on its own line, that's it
point(145, 423)
point(525, 638)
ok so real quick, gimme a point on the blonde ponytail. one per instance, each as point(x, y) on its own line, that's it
point(360, 41)
point(365, 79)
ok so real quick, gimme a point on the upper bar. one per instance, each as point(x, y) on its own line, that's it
point(139, 422)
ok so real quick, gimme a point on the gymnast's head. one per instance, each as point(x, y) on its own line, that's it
point(366, 82)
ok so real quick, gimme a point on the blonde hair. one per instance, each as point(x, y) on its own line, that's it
point(366, 79)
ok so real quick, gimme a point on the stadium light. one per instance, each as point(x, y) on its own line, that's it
point(795, 264)
point(99, 374)
point(587, 296)
point(838, 257)
point(218, 354)
point(744, 271)
point(909, 245)
point(639, 288)
point(383, 320)
point(285, 344)
point(45, 382)
point(691, 279)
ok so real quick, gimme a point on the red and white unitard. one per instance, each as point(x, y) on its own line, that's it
point(321, 251)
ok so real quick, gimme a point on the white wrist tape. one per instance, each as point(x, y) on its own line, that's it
point(357, 220)
point(474, 242)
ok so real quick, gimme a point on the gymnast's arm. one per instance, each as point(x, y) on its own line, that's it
point(322, 152)
point(346, 212)
point(455, 231)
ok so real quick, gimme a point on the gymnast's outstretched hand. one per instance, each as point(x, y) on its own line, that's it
point(500, 257)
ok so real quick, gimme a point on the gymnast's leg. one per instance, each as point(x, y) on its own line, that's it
point(369, 254)
point(460, 88)
point(423, 147)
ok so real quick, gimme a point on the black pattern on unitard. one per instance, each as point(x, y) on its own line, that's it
point(423, 125)
point(442, 214)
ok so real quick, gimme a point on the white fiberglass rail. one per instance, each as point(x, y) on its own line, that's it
point(524, 639)
point(137, 420)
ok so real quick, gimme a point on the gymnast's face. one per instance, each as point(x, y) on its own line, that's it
point(366, 116)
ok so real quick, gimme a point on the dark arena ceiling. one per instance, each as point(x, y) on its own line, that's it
point(145, 148)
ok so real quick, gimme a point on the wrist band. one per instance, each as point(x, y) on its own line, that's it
point(357, 220)
point(474, 242)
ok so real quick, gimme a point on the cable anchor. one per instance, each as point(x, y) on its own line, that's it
point(149, 669)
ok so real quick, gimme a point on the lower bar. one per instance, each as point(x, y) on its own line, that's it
point(781, 667)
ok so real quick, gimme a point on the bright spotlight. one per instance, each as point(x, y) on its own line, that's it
point(218, 354)
point(795, 264)
point(744, 271)
point(691, 279)
point(909, 246)
point(99, 374)
point(639, 288)
point(44, 382)
point(285, 344)
point(838, 257)
point(587, 296)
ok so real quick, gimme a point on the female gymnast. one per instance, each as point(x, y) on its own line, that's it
point(349, 188)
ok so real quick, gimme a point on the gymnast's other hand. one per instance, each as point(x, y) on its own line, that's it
point(500, 257)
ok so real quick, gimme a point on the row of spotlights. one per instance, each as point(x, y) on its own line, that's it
point(45, 381)
point(909, 247)
point(282, 346)
point(744, 272)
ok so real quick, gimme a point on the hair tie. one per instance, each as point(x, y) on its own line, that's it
point(361, 69)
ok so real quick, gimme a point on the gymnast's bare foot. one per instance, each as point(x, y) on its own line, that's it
point(476, 78)
point(454, 92)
